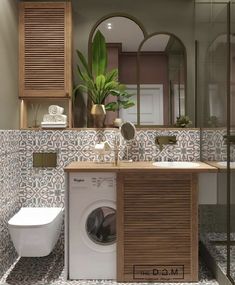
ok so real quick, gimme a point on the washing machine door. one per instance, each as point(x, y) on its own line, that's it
point(101, 225)
point(98, 226)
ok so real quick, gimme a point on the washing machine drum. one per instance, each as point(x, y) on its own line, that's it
point(101, 225)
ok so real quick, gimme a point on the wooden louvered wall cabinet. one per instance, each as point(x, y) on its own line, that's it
point(45, 57)
point(157, 227)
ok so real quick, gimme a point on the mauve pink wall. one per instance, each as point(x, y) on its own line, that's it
point(128, 68)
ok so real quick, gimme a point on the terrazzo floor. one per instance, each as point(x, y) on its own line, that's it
point(50, 271)
point(219, 251)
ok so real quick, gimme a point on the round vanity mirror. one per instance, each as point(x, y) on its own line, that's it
point(128, 131)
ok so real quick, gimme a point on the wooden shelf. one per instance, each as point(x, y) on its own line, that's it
point(28, 107)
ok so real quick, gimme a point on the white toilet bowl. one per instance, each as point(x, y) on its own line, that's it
point(35, 231)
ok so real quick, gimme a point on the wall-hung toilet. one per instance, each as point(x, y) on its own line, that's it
point(35, 231)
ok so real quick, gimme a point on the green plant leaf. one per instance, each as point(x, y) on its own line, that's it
point(110, 85)
point(99, 54)
point(84, 64)
point(111, 106)
point(115, 92)
point(122, 87)
point(127, 95)
point(127, 104)
point(79, 88)
point(112, 75)
point(80, 72)
point(100, 82)
point(75, 93)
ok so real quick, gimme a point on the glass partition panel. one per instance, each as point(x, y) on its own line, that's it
point(212, 88)
point(232, 146)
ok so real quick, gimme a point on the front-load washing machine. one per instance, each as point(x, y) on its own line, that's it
point(92, 225)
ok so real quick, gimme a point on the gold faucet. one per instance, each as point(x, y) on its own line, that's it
point(162, 140)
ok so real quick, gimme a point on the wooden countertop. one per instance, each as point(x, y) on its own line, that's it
point(222, 165)
point(139, 166)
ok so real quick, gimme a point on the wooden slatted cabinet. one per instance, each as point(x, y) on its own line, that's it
point(45, 57)
point(157, 227)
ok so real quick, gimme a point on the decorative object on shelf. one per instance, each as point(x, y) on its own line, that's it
point(183, 122)
point(55, 118)
point(35, 109)
point(55, 110)
point(213, 121)
point(117, 122)
point(99, 83)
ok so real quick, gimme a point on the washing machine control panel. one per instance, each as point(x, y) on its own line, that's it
point(94, 180)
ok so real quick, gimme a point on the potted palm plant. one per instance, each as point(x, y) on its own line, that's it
point(97, 82)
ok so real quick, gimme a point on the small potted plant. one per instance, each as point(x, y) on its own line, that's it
point(97, 82)
point(183, 122)
point(122, 101)
point(213, 121)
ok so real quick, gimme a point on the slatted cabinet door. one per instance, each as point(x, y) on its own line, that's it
point(45, 49)
point(157, 227)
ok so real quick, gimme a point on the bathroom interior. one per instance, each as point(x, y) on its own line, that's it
point(176, 59)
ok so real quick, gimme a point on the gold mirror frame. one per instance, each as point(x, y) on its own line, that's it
point(146, 36)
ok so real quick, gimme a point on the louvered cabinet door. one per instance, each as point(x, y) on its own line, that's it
point(45, 49)
point(157, 227)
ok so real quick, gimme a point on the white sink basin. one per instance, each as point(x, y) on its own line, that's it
point(176, 164)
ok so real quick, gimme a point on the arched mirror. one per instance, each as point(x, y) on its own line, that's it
point(123, 35)
point(153, 68)
point(162, 80)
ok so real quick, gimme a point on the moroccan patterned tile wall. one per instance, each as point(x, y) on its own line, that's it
point(213, 147)
point(9, 193)
point(46, 186)
point(23, 185)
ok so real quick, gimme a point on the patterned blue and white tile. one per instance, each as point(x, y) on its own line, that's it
point(45, 187)
point(9, 193)
point(213, 146)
